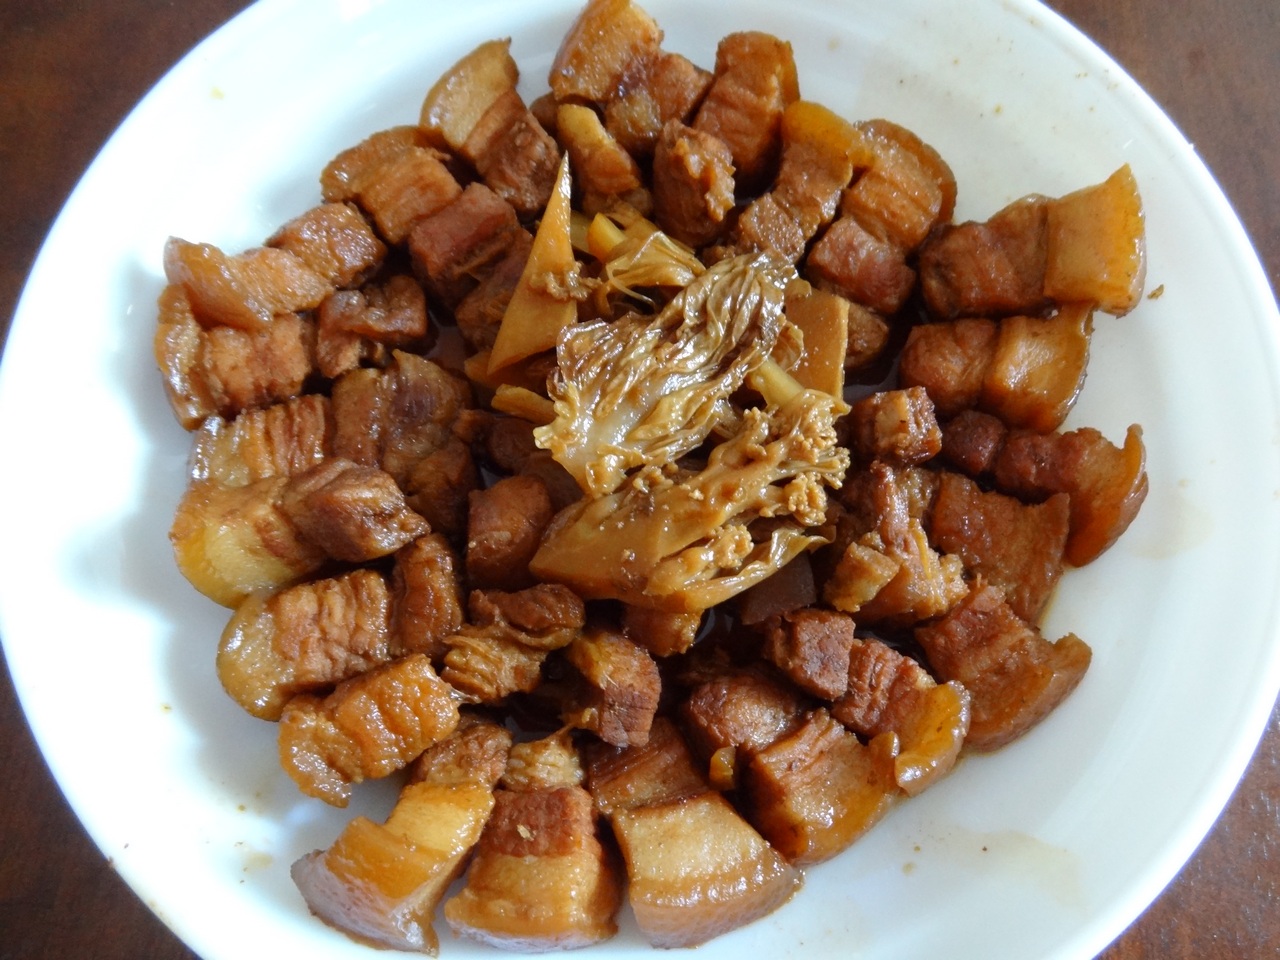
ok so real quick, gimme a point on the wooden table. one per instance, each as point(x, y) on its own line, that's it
point(70, 71)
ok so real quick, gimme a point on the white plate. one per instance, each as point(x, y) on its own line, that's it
point(1047, 849)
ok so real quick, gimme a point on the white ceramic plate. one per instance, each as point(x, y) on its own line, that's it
point(1047, 849)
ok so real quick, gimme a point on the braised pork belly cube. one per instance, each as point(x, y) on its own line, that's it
point(862, 267)
point(811, 647)
point(619, 691)
point(348, 173)
point(279, 440)
point(791, 588)
point(303, 639)
point(889, 693)
point(463, 94)
point(603, 170)
point(1015, 677)
point(663, 633)
point(693, 185)
point(370, 726)
point(695, 867)
point(671, 88)
point(892, 575)
point(479, 314)
point(540, 878)
point(1096, 245)
point(504, 530)
point(991, 268)
point(1038, 368)
point(440, 483)
point(904, 188)
point(753, 84)
point(247, 290)
point(868, 337)
point(352, 512)
point(405, 188)
point(950, 360)
point(230, 542)
point(972, 441)
point(895, 426)
point(607, 42)
point(427, 596)
point(223, 371)
point(514, 155)
point(1014, 546)
point(815, 791)
point(335, 241)
point(396, 416)
point(358, 327)
point(453, 248)
point(382, 883)
point(548, 615)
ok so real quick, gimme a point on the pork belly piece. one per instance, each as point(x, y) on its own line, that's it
point(247, 290)
point(222, 371)
point(991, 268)
point(609, 41)
point(502, 649)
point(427, 605)
point(904, 188)
point(303, 639)
point(890, 693)
point(335, 241)
point(479, 314)
point(603, 170)
point(811, 646)
point(897, 427)
point(504, 529)
point(1038, 368)
point(619, 690)
point(458, 245)
point(791, 588)
point(696, 868)
point(279, 440)
point(816, 166)
point(540, 878)
point(693, 184)
point(382, 883)
point(347, 174)
point(868, 337)
point(852, 261)
point(893, 575)
point(671, 88)
point(1015, 677)
point(352, 512)
point(950, 360)
point(1016, 547)
point(405, 188)
point(815, 791)
point(396, 416)
point(359, 327)
point(369, 726)
point(441, 483)
point(661, 632)
point(1106, 483)
point(754, 82)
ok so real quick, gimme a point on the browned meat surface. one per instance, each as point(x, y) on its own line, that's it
point(895, 426)
point(754, 82)
point(1016, 547)
point(370, 726)
point(993, 268)
point(245, 291)
point(661, 632)
point(357, 327)
point(767, 224)
point(610, 41)
point(396, 416)
point(972, 441)
point(670, 89)
point(453, 248)
point(476, 752)
point(441, 483)
point(868, 337)
point(428, 604)
point(548, 615)
point(353, 513)
point(480, 312)
point(504, 529)
point(404, 188)
point(515, 156)
point(605, 172)
point(346, 175)
point(741, 711)
point(303, 639)
point(335, 241)
point(811, 646)
point(860, 266)
point(1014, 675)
point(950, 360)
point(883, 688)
point(791, 588)
point(279, 440)
point(620, 688)
point(661, 770)
point(693, 184)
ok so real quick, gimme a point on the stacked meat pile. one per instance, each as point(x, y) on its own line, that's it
point(534, 466)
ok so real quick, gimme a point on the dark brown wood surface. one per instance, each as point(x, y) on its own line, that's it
point(70, 71)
